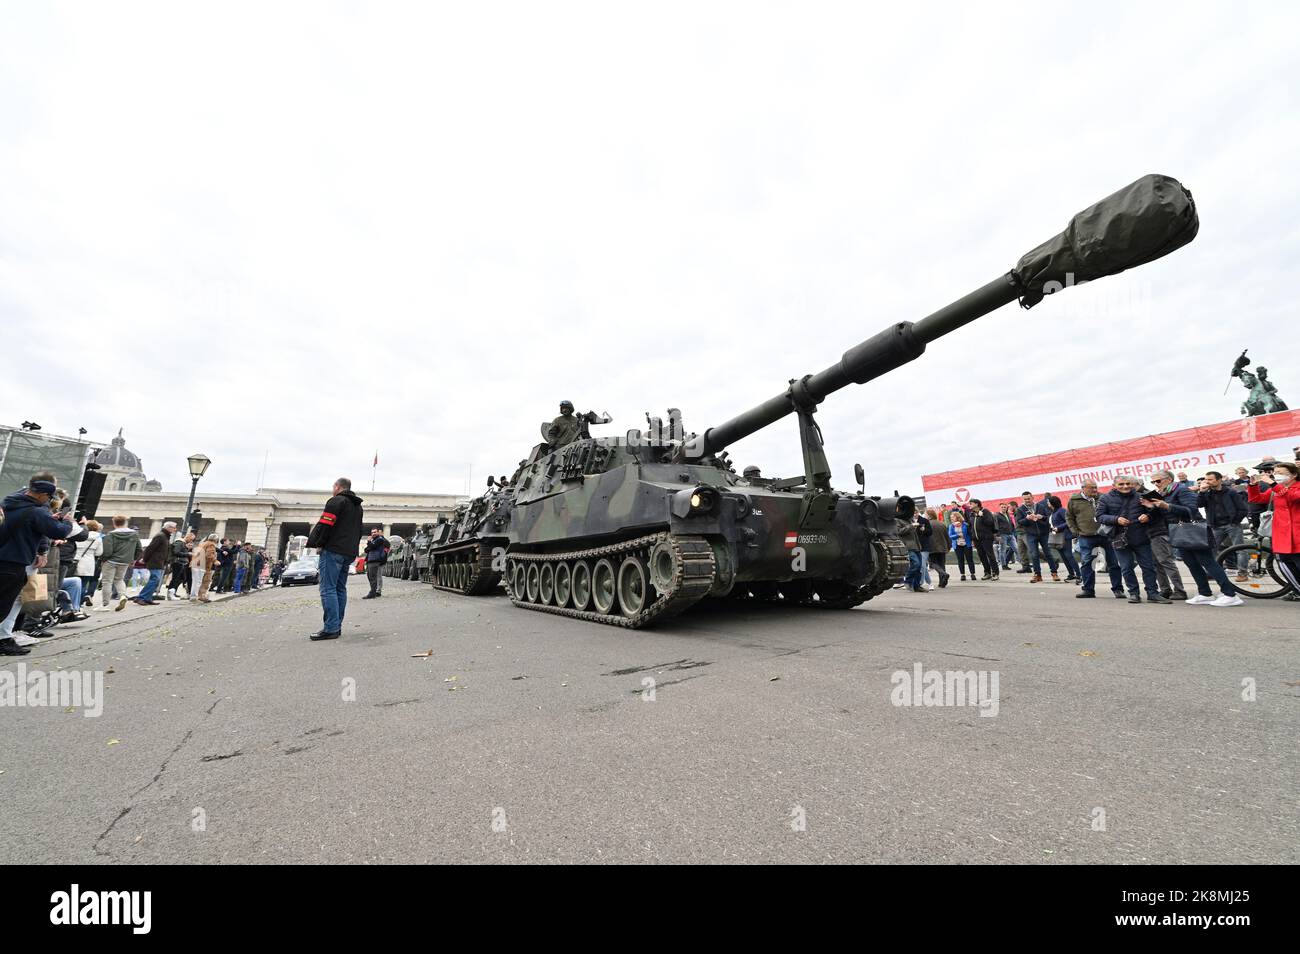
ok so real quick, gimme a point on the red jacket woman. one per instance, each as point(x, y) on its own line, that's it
point(1284, 495)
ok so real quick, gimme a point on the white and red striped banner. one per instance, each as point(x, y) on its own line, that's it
point(1194, 450)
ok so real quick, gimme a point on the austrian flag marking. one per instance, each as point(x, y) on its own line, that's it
point(328, 518)
point(791, 539)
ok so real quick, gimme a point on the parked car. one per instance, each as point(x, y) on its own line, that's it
point(306, 570)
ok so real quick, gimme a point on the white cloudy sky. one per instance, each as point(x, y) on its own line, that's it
point(322, 229)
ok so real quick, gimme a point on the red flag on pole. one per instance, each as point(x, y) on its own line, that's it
point(376, 463)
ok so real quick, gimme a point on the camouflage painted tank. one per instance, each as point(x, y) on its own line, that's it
point(396, 553)
point(418, 565)
point(635, 529)
point(468, 554)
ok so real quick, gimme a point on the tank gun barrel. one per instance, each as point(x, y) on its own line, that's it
point(1141, 222)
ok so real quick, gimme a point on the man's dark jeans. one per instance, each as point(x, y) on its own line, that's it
point(333, 571)
point(1037, 543)
point(1138, 554)
point(1087, 547)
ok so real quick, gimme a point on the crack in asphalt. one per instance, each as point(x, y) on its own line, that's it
point(149, 784)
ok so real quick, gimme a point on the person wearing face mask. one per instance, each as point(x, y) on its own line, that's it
point(1123, 510)
point(1283, 493)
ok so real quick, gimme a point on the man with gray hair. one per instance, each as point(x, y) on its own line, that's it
point(155, 561)
point(1171, 583)
point(1081, 518)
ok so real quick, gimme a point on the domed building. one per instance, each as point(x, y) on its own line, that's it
point(123, 470)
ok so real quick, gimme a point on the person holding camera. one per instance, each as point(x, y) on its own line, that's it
point(1177, 504)
point(1282, 493)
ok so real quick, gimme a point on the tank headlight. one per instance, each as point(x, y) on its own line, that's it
point(691, 503)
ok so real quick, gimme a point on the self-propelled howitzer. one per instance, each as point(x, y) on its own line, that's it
point(635, 529)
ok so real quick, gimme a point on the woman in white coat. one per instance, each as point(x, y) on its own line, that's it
point(89, 551)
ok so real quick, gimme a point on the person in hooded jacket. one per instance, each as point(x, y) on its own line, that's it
point(27, 522)
point(337, 535)
point(1123, 510)
point(121, 549)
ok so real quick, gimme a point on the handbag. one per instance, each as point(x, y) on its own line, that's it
point(35, 589)
point(1056, 539)
point(1189, 535)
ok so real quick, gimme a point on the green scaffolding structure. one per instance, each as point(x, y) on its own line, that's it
point(23, 453)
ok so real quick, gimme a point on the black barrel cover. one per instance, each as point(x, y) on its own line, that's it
point(1141, 222)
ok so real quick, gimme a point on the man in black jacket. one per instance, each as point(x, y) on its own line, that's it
point(337, 535)
point(984, 529)
point(155, 561)
point(1123, 510)
point(376, 557)
point(1225, 508)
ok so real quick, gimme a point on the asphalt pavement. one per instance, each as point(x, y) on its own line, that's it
point(454, 729)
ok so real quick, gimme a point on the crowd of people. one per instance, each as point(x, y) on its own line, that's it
point(1132, 530)
point(40, 527)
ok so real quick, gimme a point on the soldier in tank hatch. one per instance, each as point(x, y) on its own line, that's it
point(565, 428)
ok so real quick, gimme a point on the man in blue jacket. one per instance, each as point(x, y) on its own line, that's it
point(1123, 510)
point(27, 522)
point(1035, 521)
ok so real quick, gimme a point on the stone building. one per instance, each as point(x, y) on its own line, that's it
point(272, 515)
point(123, 470)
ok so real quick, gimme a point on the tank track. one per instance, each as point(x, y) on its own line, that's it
point(694, 574)
point(892, 569)
point(472, 576)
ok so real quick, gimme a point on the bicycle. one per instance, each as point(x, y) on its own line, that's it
point(1263, 580)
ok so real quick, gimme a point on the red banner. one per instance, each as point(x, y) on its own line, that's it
point(1194, 450)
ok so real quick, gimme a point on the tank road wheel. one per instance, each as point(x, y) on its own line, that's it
point(604, 584)
point(534, 582)
point(457, 574)
point(663, 567)
point(546, 586)
point(518, 579)
point(634, 590)
point(563, 584)
point(581, 585)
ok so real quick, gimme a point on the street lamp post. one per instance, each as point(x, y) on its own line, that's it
point(198, 467)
